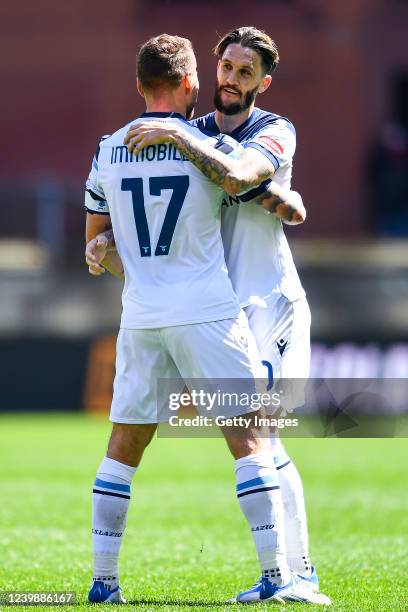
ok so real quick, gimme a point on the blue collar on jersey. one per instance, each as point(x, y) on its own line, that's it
point(212, 126)
point(164, 115)
point(256, 121)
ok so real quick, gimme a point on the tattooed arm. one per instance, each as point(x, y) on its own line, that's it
point(286, 204)
point(233, 175)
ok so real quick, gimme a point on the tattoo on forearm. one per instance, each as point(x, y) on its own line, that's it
point(287, 211)
point(200, 155)
point(216, 166)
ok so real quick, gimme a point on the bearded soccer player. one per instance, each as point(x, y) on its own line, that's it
point(156, 202)
point(258, 257)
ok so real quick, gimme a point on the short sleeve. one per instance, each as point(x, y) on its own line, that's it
point(95, 200)
point(277, 142)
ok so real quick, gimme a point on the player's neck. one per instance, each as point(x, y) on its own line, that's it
point(228, 123)
point(166, 105)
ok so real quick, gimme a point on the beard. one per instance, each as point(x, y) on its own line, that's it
point(191, 105)
point(235, 107)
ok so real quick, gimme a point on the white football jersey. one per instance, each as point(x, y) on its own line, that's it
point(257, 253)
point(166, 218)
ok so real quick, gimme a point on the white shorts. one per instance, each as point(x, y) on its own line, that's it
point(206, 351)
point(282, 335)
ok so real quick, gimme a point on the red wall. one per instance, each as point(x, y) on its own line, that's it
point(68, 76)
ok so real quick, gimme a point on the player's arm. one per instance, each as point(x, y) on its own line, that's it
point(233, 175)
point(100, 250)
point(284, 203)
point(100, 254)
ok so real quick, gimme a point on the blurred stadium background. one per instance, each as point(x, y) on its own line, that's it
point(68, 76)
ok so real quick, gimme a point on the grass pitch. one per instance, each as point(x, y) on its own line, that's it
point(187, 546)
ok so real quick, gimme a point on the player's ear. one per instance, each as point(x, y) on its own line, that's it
point(188, 82)
point(140, 88)
point(267, 80)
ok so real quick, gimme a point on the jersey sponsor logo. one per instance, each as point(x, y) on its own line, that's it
point(272, 144)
